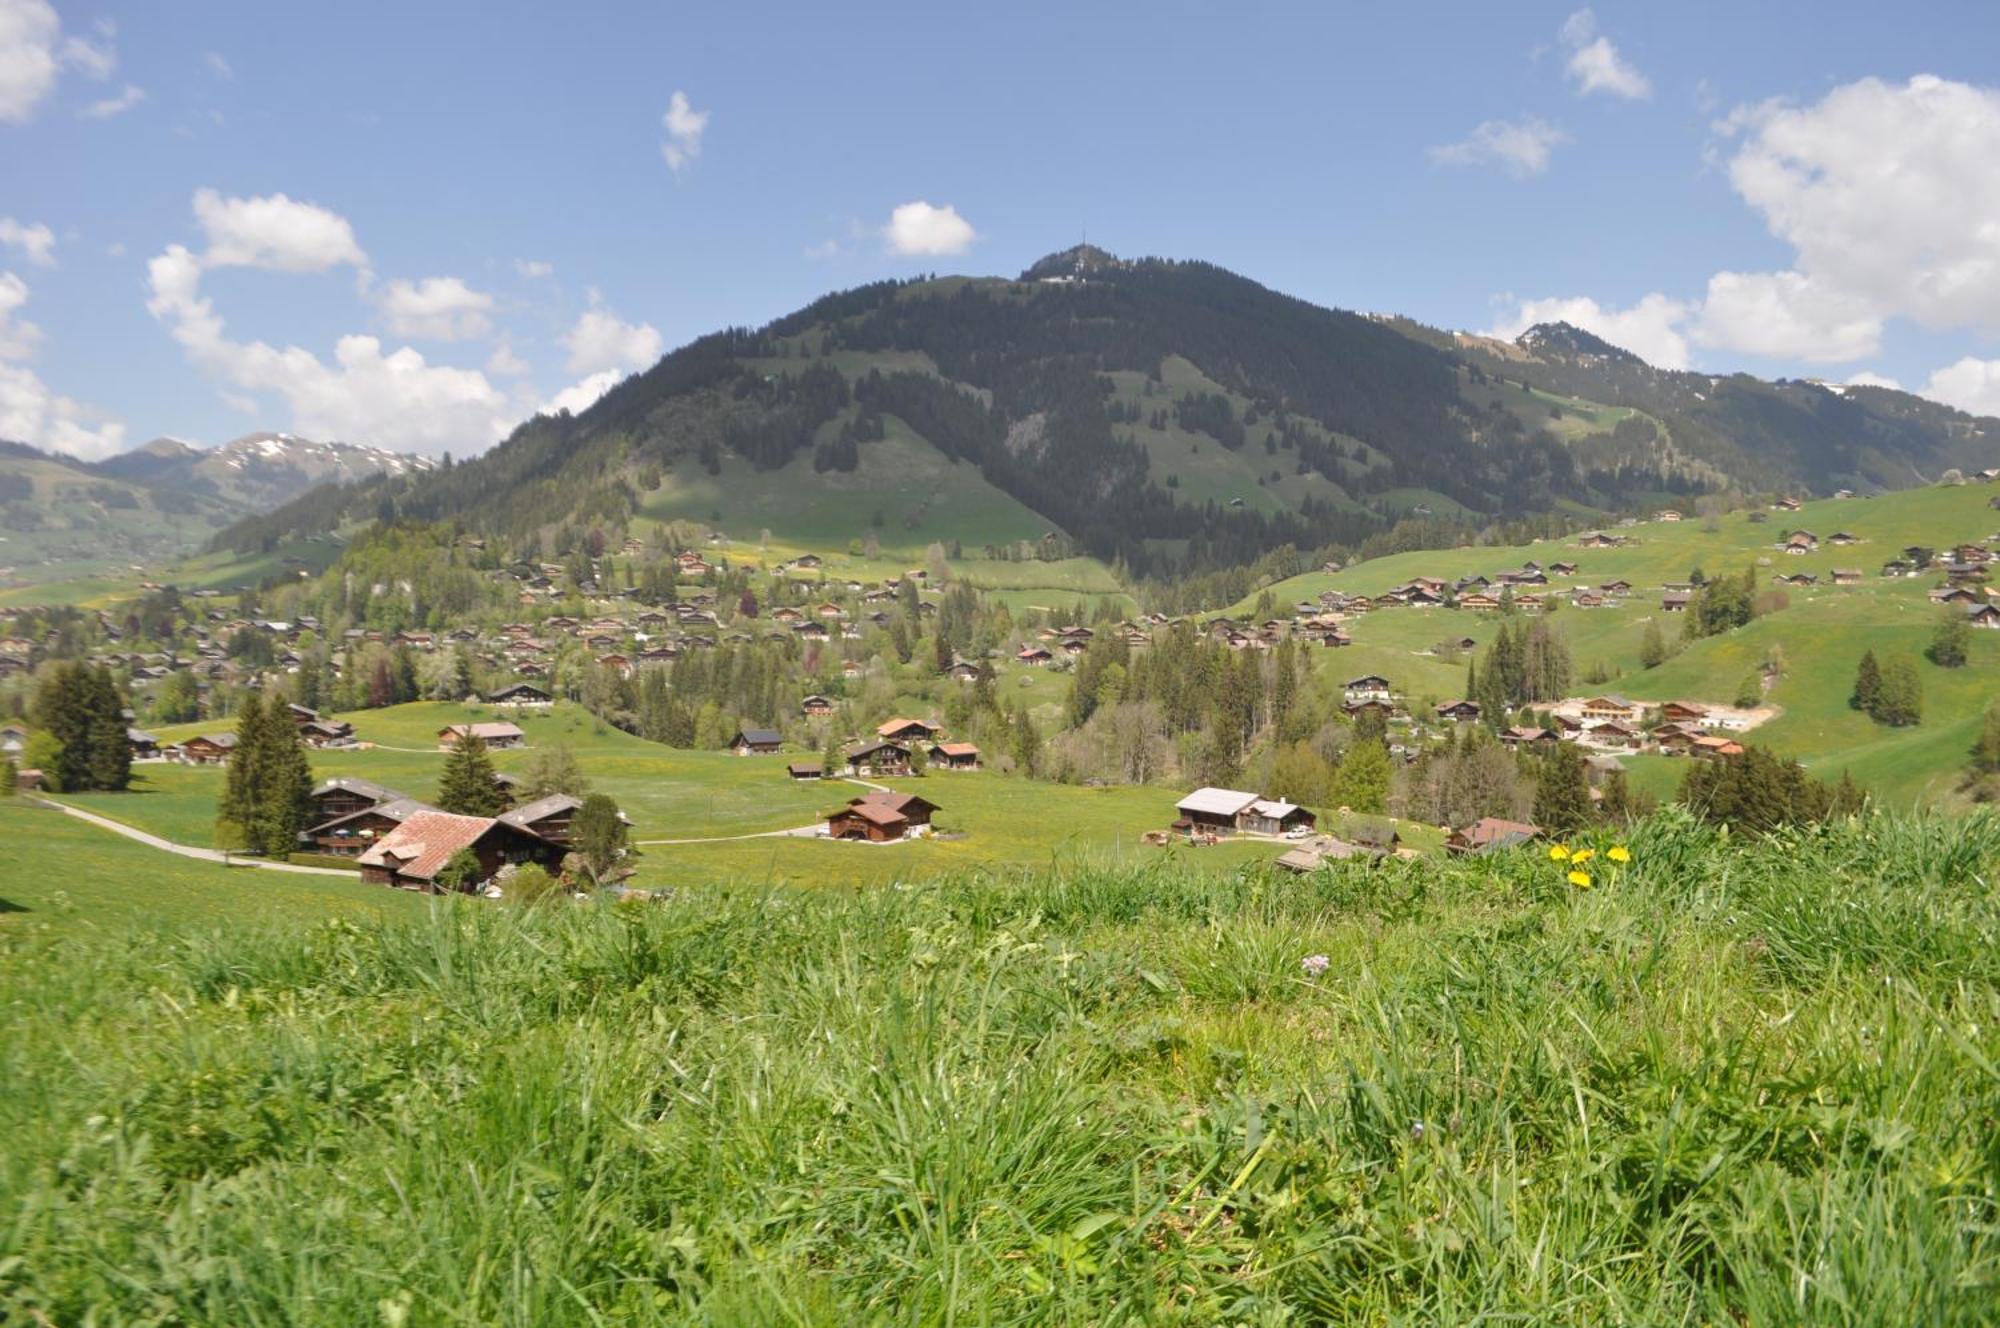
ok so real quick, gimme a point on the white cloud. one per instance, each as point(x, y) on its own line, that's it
point(685, 126)
point(390, 398)
point(435, 309)
point(18, 337)
point(1594, 63)
point(98, 59)
point(601, 341)
point(918, 228)
point(1971, 384)
point(533, 268)
point(1522, 147)
point(274, 232)
point(36, 243)
point(1786, 316)
point(29, 411)
point(1887, 192)
point(1869, 378)
point(118, 105)
point(1649, 329)
point(581, 396)
point(29, 31)
point(504, 363)
point(218, 65)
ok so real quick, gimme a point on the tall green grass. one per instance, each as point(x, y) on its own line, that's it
point(1743, 1082)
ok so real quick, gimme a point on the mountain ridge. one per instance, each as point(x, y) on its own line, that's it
point(1170, 413)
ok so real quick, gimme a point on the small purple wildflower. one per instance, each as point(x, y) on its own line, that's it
point(1314, 965)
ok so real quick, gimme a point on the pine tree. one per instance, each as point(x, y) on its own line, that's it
point(110, 760)
point(283, 791)
point(1562, 792)
point(467, 786)
point(1867, 685)
point(238, 805)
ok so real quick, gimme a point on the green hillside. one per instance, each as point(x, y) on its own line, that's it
point(1820, 633)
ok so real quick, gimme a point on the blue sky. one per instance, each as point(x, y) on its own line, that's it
point(414, 224)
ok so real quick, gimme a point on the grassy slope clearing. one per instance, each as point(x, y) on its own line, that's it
point(1699, 1094)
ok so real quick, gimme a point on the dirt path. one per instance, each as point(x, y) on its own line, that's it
point(189, 850)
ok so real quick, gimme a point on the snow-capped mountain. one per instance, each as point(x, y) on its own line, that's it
point(258, 470)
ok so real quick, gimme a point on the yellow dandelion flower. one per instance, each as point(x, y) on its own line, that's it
point(1619, 853)
point(1557, 852)
point(1583, 855)
point(1581, 880)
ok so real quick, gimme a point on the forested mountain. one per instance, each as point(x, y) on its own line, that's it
point(1168, 415)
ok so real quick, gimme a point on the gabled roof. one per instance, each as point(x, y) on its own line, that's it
point(367, 788)
point(395, 809)
point(888, 727)
point(1490, 832)
point(1217, 802)
point(421, 846)
point(484, 731)
point(542, 808)
point(760, 737)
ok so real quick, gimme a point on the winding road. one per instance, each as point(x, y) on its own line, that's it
point(189, 850)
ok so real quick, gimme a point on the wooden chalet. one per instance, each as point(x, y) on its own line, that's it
point(816, 706)
point(805, 770)
point(1458, 712)
point(954, 756)
point(1530, 737)
point(352, 833)
point(1220, 811)
point(877, 759)
point(412, 856)
point(1490, 833)
point(881, 818)
point(1368, 687)
point(206, 749)
point(1599, 709)
point(335, 798)
point(521, 695)
point(907, 730)
point(495, 734)
point(548, 816)
point(1683, 712)
point(1034, 657)
point(144, 745)
point(756, 742)
point(1613, 733)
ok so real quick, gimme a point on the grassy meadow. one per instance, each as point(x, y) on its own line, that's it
point(1742, 1082)
point(66, 877)
point(989, 820)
